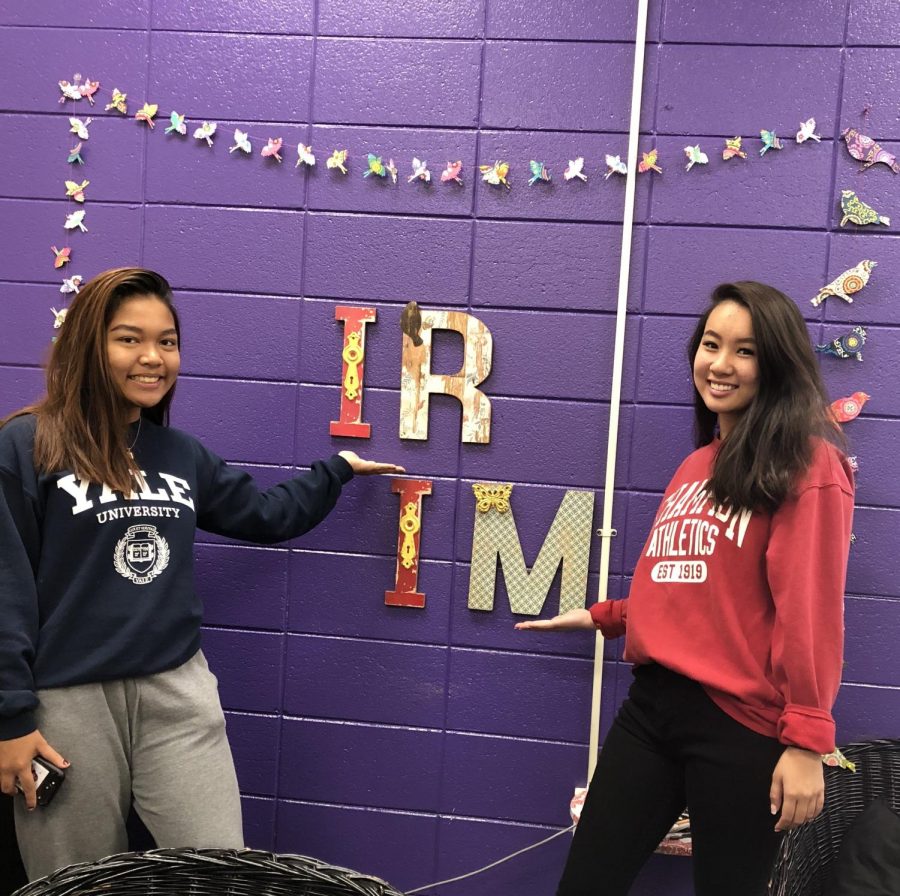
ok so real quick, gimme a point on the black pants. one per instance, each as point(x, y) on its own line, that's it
point(670, 747)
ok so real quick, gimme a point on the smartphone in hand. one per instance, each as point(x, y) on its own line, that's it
point(48, 778)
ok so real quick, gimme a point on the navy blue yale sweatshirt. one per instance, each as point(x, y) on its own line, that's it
point(97, 586)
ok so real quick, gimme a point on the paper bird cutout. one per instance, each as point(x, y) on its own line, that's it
point(76, 220)
point(75, 155)
point(76, 191)
point(176, 124)
point(539, 172)
point(69, 91)
point(80, 127)
point(392, 170)
point(147, 113)
point(419, 171)
point(857, 212)
point(375, 166)
point(846, 409)
point(850, 345)
point(206, 132)
point(769, 140)
point(59, 317)
point(63, 256)
point(337, 160)
point(845, 285)
point(614, 165)
point(575, 169)
point(868, 151)
point(648, 162)
point(71, 284)
point(241, 142)
point(305, 156)
point(808, 131)
point(452, 173)
point(272, 149)
point(88, 89)
point(695, 157)
point(495, 174)
point(732, 149)
point(118, 102)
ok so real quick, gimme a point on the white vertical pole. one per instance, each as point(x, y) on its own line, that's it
point(615, 399)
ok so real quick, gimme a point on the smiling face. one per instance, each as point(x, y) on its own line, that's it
point(726, 370)
point(142, 347)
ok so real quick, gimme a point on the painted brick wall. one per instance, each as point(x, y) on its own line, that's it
point(417, 744)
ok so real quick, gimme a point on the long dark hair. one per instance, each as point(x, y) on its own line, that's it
point(82, 421)
point(772, 442)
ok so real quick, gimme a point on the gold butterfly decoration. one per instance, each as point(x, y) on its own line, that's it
point(488, 496)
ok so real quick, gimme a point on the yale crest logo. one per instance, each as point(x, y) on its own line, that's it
point(141, 554)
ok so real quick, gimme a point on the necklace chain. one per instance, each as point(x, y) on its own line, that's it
point(131, 446)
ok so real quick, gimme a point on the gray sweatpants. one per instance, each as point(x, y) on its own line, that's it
point(159, 739)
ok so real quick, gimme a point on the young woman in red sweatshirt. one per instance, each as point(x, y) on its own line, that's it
point(734, 619)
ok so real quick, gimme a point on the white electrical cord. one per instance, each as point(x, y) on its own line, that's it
point(453, 880)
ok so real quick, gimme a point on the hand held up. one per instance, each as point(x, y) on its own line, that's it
point(369, 467)
point(568, 621)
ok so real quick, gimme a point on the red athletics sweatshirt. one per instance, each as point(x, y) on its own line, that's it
point(749, 604)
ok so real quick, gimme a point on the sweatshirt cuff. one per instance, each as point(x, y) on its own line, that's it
point(609, 616)
point(807, 727)
point(17, 726)
point(341, 467)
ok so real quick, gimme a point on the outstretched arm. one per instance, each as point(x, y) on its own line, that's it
point(573, 619)
point(363, 467)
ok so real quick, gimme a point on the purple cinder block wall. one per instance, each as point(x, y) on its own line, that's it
point(419, 744)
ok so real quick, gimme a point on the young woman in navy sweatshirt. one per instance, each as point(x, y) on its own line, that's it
point(100, 661)
point(734, 619)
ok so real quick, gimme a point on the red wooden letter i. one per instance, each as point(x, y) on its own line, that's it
point(406, 578)
point(353, 354)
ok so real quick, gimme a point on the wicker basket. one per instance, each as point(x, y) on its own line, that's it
point(206, 872)
point(804, 860)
